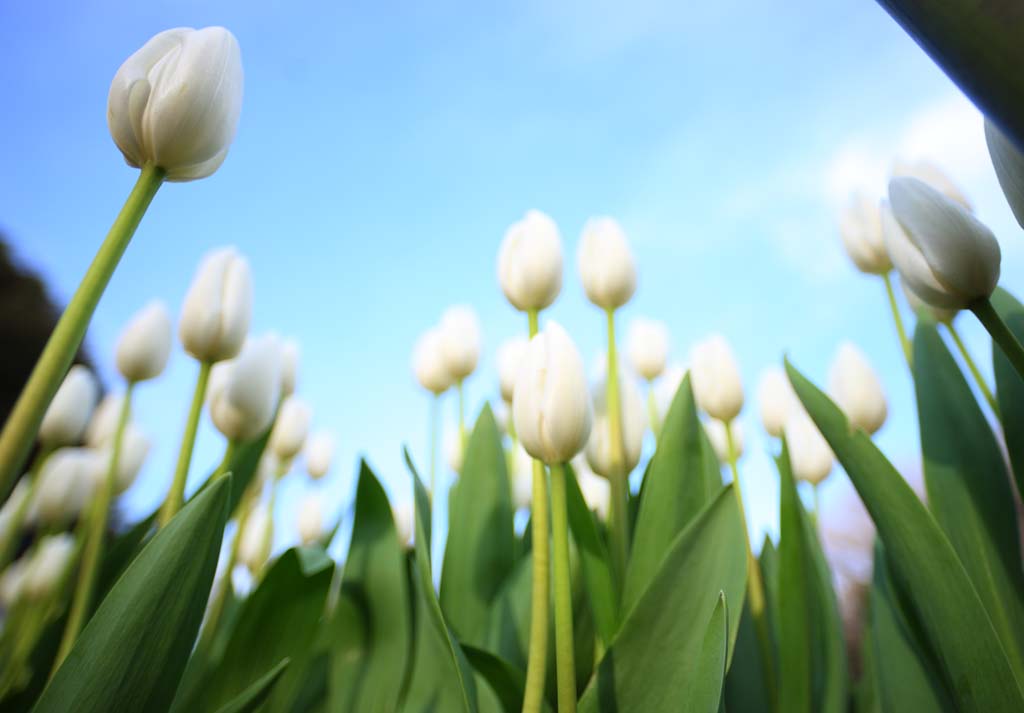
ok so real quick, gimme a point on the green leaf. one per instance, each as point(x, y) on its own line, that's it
point(675, 489)
point(924, 564)
point(508, 632)
point(653, 663)
point(745, 688)
point(480, 551)
point(706, 695)
point(375, 585)
point(505, 680)
point(131, 654)
point(969, 490)
point(251, 699)
point(1009, 385)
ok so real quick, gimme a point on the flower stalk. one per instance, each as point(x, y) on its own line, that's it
point(973, 368)
point(1001, 334)
point(908, 352)
point(618, 480)
point(176, 495)
point(564, 654)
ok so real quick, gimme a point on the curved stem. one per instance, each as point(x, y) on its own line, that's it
point(23, 423)
point(1001, 334)
point(904, 342)
point(619, 479)
point(225, 462)
point(176, 495)
point(565, 664)
point(973, 368)
point(95, 532)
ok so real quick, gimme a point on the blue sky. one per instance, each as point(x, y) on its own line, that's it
point(384, 149)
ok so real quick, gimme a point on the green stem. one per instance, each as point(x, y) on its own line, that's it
point(755, 583)
point(176, 495)
point(23, 423)
point(92, 551)
point(1001, 334)
point(619, 479)
point(652, 410)
point(9, 545)
point(904, 342)
point(225, 462)
point(434, 406)
point(564, 655)
point(978, 378)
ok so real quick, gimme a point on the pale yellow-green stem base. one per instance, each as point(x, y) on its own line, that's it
point(973, 368)
point(652, 410)
point(565, 665)
point(908, 353)
point(176, 495)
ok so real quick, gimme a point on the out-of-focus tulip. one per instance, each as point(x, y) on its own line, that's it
point(68, 414)
point(405, 522)
point(720, 440)
point(943, 253)
point(634, 425)
point(928, 172)
point(606, 263)
point(716, 379)
point(855, 387)
point(67, 483)
point(809, 453)
point(530, 262)
point(103, 423)
point(552, 410)
point(256, 538)
point(319, 453)
point(1008, 162)
point(647, 347)
point(48, 566)
point(175, 103)
point(596, 490)
point(310, 520)
point(861, 230)
point(460, 341)
point(289, 366)
point(9, 518)
point(775, 399)
point(429, 365)
point(12, 582)
point(243, 393)
point(145, 343)
point(917, 305)
point(666, 387)
point(135, 447)
point(453, 451)
point(290, 429)
point(510, 357)
point(502, 413)
point(217, 309)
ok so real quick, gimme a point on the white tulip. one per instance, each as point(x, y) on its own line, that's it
point(453, 450)
point(243, 393)
point(928, 172)
point(666, 388)
point(310, 520)
point(135, 447)
point(552, 410)
point(256, 538)
point(218, 306)
point(104, 419)
point(175, 103)
point(633, 419)
point(145, 343)
point(917, 305)
point(290, 429)
point(943, 253)
point(10, 520)
point(716, 379)
point(647, 347)
point(68, 480)
point(522, 478)
point(809, 453)
point(510, 357)
point(429, 365)
point(1008, 162)
point(860, 227)
point(405, 522)
point(12, 582)
point(720, 440)
point(460, 341)
point(606, 264)
point(289, 366)
point(48, 565)
point(776, 399)
point(596, 490)
point(67, 416)
point(855, 388)
point(319, 453)
point(530, 262)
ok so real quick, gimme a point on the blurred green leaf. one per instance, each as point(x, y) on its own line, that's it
point(653, 663)
point(251, 699)
point(969, 490)
point(508, 631)
point(1009, 385)
point(706, 694)
point(505, 680)
point(131, 654)
point(744, 684)
point(924, 565)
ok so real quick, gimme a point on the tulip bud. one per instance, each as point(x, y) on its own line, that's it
point(927, 172)
point(217, 309)
point(501, 416)
point(1008, 162)
point(595, 489)
point(647, 347)
point(48, 566)
point(289, 366)
point(634, 425)
point(68, 414)
point(510, 357)
point(319, 454)
point(917, 306)
point(666, 387)
point(809, 453)
point(776, 400)
point(9, 521)
point(145, 343)
point(429, 365)
point(530, 262)
point(522, 478)
point(720, 439)
point(135, 447)
point(943, 253)
point(552, 409)
point(68, 480)
point(12, 582)
point(405, 522)
point(243, 393)
point(453, 451)
point(716, 379)
point(104, 420)
point(855, 388)
point(175, 103)
point(310, 520)
point(606, 264)
point(290, 429)
point(861, 230)
point(256, 537)
point(460, 341)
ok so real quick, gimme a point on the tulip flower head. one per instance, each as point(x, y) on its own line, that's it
point(634, 426)
point(530, 262)
point(510, 357)
point(67, 417)
point(103, 422)
point(145, 343)
point(289, 366)
point(917, 306)
point(256, 538)
point(67, 482)
point(861, 230)
point(716, 379)
point(606, 264)
point(596, 490)
point(453, 450)
point(720, 439)
point(809, 453)
point(12, 582)
point(9, 519)
point(135, 447)
point(243, 393)
point(1008, 162)
point(855, 388)
point(429, 365)
point(175, 103)
point(405, 522)
point(48, 566)
point(927, 172)
point(666, 387)
point(310, 520)
point(218, 306)
point(551, 409)
point(290, 429)
point(647, 347)
point(460, 341)
point(319, 453)
point(776, 400)
point(943, 253)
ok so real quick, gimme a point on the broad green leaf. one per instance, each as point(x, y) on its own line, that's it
point(480, 551)
point(1009, 385)
point(508, 631)
point(242, 467)
point(706, 695)
point(744, 684)
point(969, 489)
point(675, 489)
point(924, 565)
point(376, 584)
point(831, 670)
point(251, 699)
point(865, 694)
point(653, 662)
point(505, 680)
point(131, 654)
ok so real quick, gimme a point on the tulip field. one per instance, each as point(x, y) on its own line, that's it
point(580, 542)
